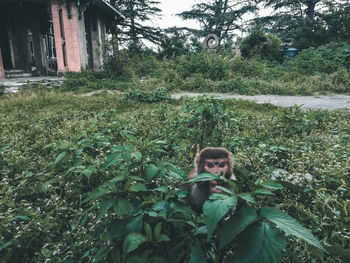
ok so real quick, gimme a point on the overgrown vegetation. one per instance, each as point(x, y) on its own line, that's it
point(314, 71)
point(99, 179)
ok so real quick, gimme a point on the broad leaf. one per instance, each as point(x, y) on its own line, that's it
point(272, 185)
point(100, 254)
point(60, 157)
point(339, 251)
point(289, 225)
point(148, 231)
point(137, 155)
point(104, 207)
point(132, 242)
point(135, 225)
point(197, 255)
point(215, 210)
point(138, 187)
point(263, 192)
point(259, 243)
point(203, 177)
point(162, 188)
point(112, 159)
point(247, 197)
point(152, 171)
point(236, 224)
point(123, 207)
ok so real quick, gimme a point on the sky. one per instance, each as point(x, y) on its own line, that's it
point(172, 7)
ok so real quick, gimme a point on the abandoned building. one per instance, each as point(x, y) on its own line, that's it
point(50, 37)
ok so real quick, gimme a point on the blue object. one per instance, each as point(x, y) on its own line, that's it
point(290, 52)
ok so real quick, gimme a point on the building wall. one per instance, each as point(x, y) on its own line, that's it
point(2, 73)
point(72, 37)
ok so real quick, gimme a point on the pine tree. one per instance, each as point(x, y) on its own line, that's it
point(132, 30)
point(218, 17)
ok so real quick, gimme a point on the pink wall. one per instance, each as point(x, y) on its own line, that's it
point(71, 37)
point(2, 73)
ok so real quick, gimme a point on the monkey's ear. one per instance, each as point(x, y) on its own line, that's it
point(196, 160)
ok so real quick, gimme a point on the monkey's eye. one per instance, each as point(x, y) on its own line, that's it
point(223, 164)
point(210, 165)
point(218, 164)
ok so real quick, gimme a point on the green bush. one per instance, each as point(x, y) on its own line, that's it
point(157, 95)
point(325, 59)
point(211, 67)
point(2, 89)
point(261, 45)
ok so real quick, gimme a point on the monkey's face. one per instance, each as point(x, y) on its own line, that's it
point(215, 166)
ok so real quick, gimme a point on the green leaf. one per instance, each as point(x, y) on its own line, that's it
point(259, 243)
point(100, 254)
point(247, 197)
point(163, 189)
point(105, 206)
point(197, 255)
point(135, 225)
point(157, 230)
point(263, 192)
point(203, 177)
point(272, 185)
point(25, 218)
point(148, 231)
point(123, 207)
point(215, 210)
point(133, 241)
point(223, 189)
point(60, 157)
point(138, 187)
point(137, 155)
point(338, 251)
point(115, 255)
point(111, 159)
point(3, 246)
point(95, 194)
point(236, 224)
point(46, 252)
point(164, 237)
point(151, 171)
point(289, 225)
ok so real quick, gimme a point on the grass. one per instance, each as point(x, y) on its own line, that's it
point(37, 126)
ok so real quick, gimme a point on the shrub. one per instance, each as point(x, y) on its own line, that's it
point(2, 89)
point(261, 45)
point(209, 66)
point(325, 59)
point(157, 95)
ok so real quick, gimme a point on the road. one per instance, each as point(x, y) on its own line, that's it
point(307, 102)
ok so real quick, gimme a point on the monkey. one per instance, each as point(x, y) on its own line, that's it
point(211, 160)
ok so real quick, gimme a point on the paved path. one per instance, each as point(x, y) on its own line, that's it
point(14, 84)
point(307, 102)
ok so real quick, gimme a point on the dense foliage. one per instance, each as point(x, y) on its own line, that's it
point(100, 178)
point(321, 70)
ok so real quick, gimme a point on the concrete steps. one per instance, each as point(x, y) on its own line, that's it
point(18, 73)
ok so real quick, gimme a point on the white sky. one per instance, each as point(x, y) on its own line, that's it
point(172, 7)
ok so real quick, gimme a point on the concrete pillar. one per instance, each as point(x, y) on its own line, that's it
point(2, 73)
point(71, 37)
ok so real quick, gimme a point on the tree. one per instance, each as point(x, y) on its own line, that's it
point(218, 17)
point(132, 30)
point(301, 21)
point(261, 45)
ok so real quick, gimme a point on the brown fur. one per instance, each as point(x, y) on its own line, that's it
point(212, 153)
point(200, 192)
